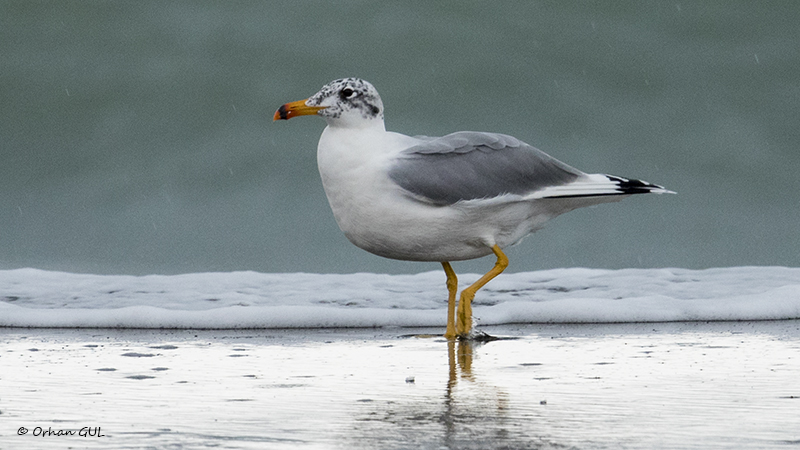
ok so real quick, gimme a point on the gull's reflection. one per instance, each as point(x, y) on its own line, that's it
point(459, 357)
point(472, 411)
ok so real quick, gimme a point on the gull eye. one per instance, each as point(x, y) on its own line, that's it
point(347, 93)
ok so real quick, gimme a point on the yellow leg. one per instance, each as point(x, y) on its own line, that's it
point(452, 288)
point(464, 315)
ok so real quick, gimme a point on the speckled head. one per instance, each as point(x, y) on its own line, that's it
point(349, 99)
point(343, 102)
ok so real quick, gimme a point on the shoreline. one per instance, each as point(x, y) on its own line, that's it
point(710, 385)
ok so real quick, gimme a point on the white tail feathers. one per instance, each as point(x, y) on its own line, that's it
point(594, 185)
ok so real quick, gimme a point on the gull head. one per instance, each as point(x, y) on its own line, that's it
point(348, 102)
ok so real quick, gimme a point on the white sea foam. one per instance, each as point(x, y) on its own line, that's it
point(37, 298)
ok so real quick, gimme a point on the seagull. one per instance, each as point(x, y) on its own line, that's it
point(452, 198)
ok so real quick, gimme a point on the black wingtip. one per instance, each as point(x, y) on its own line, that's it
point(627, 186)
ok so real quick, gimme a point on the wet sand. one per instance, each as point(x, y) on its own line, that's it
point(637, 386)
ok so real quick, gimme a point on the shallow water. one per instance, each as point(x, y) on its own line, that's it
point(675, 385)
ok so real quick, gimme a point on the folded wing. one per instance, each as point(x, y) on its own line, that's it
point(470, 165)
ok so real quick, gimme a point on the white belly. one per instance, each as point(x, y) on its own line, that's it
point(379, 217)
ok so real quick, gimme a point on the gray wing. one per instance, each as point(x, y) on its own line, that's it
point(471, 165)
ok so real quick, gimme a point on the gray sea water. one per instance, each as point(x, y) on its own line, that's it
point(137, 137)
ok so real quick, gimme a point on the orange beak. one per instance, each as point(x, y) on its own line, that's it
point(298, 108)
